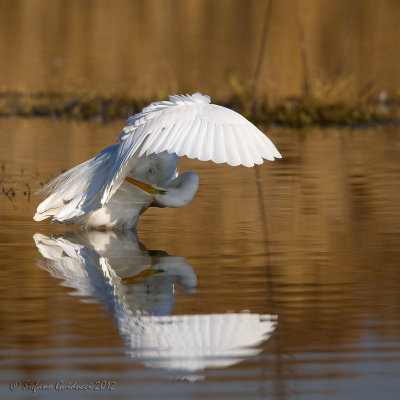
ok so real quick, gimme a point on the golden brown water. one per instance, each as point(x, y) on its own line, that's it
point(167, 46)
point(313, 245)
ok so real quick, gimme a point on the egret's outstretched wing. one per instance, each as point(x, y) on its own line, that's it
point(190, 126)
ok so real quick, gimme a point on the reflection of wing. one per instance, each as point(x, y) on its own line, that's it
point(72, 262)
point(190, 343)
point(190, 126)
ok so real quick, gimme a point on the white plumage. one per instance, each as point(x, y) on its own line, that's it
point(96, 192)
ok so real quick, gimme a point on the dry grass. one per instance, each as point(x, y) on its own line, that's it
point(325, 106)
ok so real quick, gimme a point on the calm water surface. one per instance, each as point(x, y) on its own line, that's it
point(279, 283)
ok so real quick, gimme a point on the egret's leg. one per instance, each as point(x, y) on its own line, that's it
point(144, 186)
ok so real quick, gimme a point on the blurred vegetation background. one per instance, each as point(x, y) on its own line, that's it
point(268, 58)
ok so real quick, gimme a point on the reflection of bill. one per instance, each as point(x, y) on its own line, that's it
point(138, 286)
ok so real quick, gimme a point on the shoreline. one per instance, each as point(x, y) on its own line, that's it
point(294, 112)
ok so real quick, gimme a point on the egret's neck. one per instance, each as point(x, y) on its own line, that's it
point(180, 191)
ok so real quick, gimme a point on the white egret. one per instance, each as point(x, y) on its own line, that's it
point(112, 189)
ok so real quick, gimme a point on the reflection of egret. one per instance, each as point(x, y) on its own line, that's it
point(137, 285)
point(122, 181)
point(104, 264)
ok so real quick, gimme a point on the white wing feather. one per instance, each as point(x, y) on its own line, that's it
point(77, 190)
point(190, 126)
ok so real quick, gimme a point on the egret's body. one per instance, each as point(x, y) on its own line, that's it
point(112, 189)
